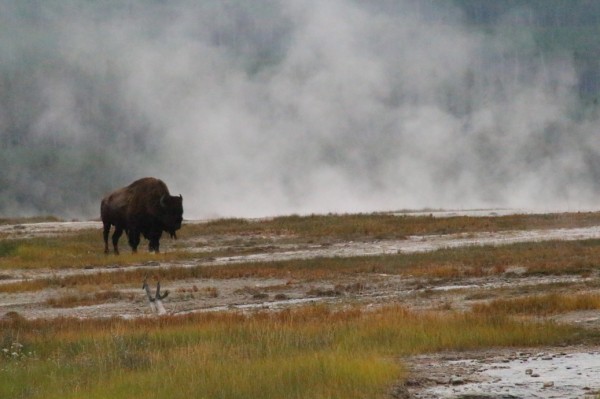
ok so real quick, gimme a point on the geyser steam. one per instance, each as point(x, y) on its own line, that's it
point(281, 106)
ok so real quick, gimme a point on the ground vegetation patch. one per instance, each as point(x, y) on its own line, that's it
point(310, 301)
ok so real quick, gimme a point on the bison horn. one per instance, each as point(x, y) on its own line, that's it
point(162, 201)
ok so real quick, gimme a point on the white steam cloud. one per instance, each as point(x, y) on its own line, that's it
point(285, 106)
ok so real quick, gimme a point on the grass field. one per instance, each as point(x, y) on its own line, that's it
point(543, 258)
point(312, 352)
point(350, 348)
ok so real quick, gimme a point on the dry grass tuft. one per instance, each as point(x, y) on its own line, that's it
point(208, 292)
point(384, 225)
point(74, 300)
point(540, 305)
point(35, 219)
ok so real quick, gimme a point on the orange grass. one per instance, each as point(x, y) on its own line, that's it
point(385, 225)
point(540, 305)
point(395, 329)
point(84, 250)
point(554, 257)
point(73, 300)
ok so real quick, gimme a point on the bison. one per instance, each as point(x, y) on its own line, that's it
point(145, 207)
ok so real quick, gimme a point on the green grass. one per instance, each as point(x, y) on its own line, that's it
point(73, 250)
point(312, 352)
point(8, 248)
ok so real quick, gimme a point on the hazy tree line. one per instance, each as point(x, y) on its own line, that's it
point(542, 13)
point(567, 27)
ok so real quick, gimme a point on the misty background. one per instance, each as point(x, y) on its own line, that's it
point(299, 106)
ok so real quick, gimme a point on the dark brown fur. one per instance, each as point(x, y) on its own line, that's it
point(145, 207)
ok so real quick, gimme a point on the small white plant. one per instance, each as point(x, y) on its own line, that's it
point(15, 351)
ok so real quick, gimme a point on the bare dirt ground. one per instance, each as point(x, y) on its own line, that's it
point(567, 372)
point(523, 373)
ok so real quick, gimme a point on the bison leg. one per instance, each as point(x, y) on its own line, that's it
point(115, 238)
point(134, 239)
point(154, 238)
point(105, 233)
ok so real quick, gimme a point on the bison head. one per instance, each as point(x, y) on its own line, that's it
point(171, 213)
